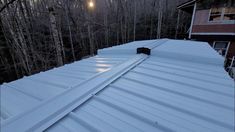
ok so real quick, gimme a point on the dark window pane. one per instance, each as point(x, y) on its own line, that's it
point(229, 17)
point(215, 18)
point(221, 45)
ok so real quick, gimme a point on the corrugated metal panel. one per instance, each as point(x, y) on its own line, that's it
point(26, 93)
point(163, 93)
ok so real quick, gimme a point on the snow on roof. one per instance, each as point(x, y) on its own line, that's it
point(181, 86)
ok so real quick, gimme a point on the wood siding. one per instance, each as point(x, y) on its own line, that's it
point(202, 24)
point(215, 28)
point(231, 50)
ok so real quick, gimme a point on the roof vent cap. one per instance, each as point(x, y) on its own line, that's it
point(143, 50)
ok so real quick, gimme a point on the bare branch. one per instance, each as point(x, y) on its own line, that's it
point(6, 5)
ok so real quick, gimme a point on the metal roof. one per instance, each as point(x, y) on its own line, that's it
point(182, 86)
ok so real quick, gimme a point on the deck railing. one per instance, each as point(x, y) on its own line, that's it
point(231, 68)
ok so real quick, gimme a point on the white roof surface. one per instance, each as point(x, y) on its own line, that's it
point(182, 86)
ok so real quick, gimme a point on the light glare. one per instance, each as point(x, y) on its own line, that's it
point(91, 4)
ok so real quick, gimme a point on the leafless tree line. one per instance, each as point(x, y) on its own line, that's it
point(36, 35)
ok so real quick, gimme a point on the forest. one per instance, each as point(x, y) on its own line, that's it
point(37, 35)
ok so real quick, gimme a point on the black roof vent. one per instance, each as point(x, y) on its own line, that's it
point(143, 50)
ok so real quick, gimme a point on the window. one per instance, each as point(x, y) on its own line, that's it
point(221, 47)
point(222, 14)
point(216, 14)
point(229, 14)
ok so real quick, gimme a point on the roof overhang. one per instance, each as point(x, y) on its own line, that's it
point(204, 33)
point(187, 6)
point(214, 36)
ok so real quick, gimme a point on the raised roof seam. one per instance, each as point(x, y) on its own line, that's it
point(68, 101)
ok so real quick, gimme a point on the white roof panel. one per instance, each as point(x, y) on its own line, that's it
point(161, 92)
point(45, 85)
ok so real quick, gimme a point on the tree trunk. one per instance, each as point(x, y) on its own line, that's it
point(55, 35)
point(69, 27)
point(159, 24)
point(90, 39)
point(134, 28)
point(177, 25)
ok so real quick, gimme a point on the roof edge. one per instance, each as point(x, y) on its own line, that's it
point(186, 4)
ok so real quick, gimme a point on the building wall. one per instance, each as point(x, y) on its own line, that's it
point(202, 18)
point(231, 51)
point(215, 28)
point(202, 24)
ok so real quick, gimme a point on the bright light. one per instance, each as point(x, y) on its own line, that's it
point(91, 4)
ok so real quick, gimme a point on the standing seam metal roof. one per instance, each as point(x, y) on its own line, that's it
point(181, 86)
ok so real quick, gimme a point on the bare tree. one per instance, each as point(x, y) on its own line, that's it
point(159, 23)
point(67, 10)
point(134, 28)
point(55, 34)
point(38, 35)
point(6, 5)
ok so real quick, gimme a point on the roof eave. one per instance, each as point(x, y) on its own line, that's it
point(186, 4)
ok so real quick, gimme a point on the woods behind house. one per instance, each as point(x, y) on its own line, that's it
point(37, 35)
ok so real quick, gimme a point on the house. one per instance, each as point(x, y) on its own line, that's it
point(213, 21)
point(154, 86)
